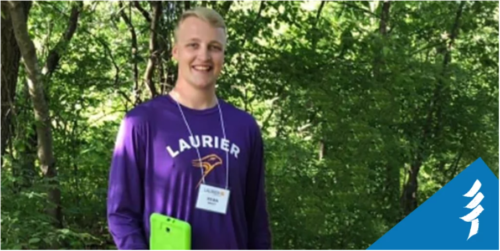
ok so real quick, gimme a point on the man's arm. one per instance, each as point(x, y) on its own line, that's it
point(125, 191)
point(259, 233)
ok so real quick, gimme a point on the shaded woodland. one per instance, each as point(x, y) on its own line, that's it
point(367, 108)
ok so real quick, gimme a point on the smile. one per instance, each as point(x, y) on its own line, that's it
point(202, 68)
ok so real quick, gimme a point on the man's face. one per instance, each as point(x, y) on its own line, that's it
point(199, 50)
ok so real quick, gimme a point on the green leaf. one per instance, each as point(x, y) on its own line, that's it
point(34, 240)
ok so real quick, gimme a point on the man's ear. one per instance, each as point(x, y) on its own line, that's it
point(175, 52)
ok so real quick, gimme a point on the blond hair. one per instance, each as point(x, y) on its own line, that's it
point(208, 15)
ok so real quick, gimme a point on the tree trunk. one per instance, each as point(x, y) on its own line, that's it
point(153, 48)
point(379, 60)
point(438, 94)
point(386, 172)
point(28, 168)
point(409, 199)
point(168, 71)
point(134, 49)
point(42, 118)
point(10, 68)
point(321, 149)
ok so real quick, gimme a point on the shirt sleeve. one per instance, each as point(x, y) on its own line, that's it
point(125, 190)
point(256, 206)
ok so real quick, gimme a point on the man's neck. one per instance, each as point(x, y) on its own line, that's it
point(194, 98)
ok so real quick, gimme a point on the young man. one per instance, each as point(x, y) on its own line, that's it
point(190, 155)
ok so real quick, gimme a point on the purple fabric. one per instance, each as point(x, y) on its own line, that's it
point(152, 170)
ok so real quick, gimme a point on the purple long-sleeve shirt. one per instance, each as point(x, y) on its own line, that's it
point(153, 170)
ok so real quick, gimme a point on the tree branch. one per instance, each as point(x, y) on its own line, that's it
point(359, 8)
point(225, 8)
point(319, 12)
point(56, 53)
point(108, 52)
point(134, 51)
point(144, 12)
point(266, 121)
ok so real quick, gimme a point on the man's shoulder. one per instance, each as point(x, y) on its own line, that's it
point(144, 111)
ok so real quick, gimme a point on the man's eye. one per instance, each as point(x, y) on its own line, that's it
point(192, 45)
point(217, 48)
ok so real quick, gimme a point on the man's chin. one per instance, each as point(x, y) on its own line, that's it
point(204, 85)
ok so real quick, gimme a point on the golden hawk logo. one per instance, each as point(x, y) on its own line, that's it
point(208, 163)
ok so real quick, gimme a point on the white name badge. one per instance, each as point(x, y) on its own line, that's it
point(212, 199)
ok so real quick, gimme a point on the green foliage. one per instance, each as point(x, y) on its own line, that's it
point(317, 206)
point(345, 109)
point(26, 226)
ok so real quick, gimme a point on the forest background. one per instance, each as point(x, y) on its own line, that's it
point(367, 108)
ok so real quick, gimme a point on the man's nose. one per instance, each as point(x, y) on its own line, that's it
point(204, 53)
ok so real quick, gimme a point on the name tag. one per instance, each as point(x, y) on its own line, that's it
point(212, 199)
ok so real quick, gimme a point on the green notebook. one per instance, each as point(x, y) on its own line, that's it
point(169, 233)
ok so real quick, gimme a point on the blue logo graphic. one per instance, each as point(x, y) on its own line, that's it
point(461, 215)
point(474, 204)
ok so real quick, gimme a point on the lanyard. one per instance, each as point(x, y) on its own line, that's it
point(198, 151)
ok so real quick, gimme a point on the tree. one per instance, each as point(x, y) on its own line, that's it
point(36, 89)
point(366, 108)
point(10, 68)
